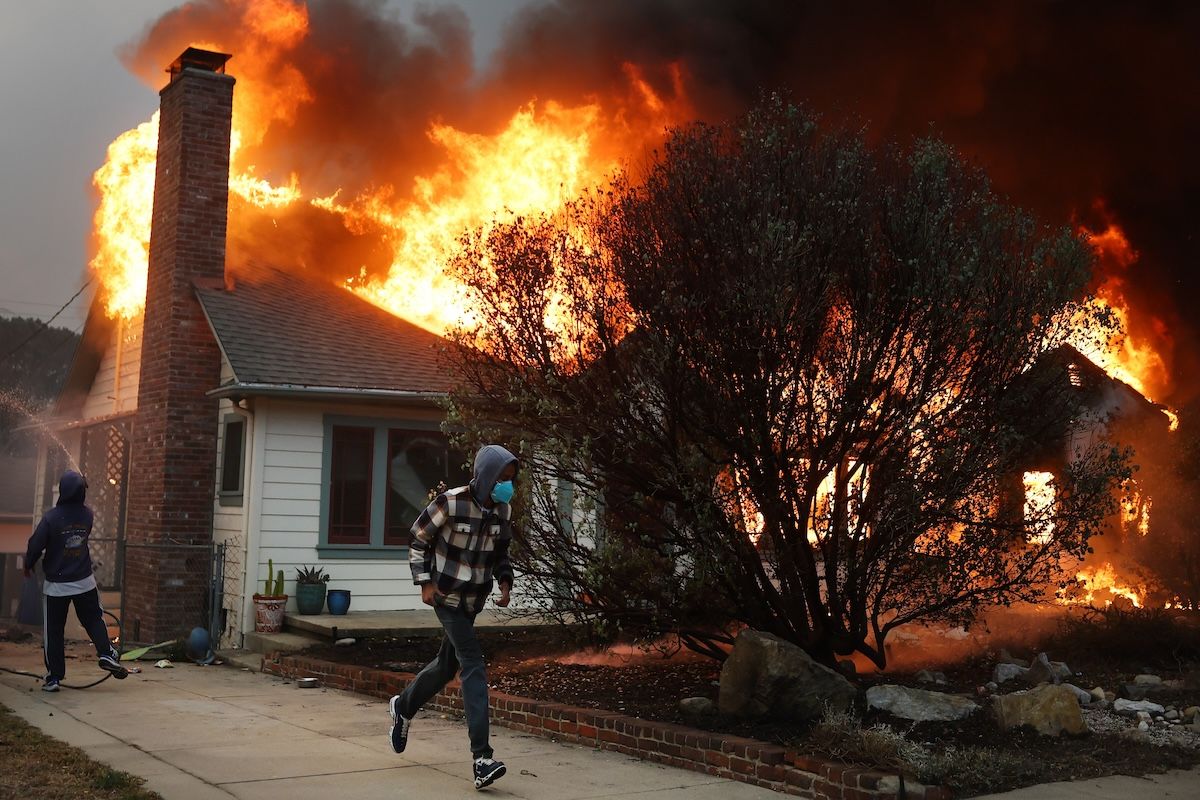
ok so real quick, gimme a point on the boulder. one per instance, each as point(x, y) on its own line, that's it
point(1147, 680)
point(767, 676)
point(1043, 670)
point(1005, 672)
point(1098, 694)
point(1082, 695)
point(1190, 713)
point(1050, 710)
point(1130, 708)
point(697, 707)
point(919, 705)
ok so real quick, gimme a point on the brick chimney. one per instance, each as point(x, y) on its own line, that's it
point(172, 472)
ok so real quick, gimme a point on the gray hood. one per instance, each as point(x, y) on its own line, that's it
point(490, 461)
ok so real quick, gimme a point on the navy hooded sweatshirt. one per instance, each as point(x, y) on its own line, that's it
point(62, 535)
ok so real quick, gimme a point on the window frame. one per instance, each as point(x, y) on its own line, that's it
point(366, 435)
point(382, 427)
point(230, 497)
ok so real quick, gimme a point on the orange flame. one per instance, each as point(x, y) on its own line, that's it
point(122, 219)
point(1039, 505)
point(544, 156)
point(1125, 356)
point(1103, 585)
point(535, 164)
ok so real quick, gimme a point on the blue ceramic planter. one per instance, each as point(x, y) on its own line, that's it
point(338, 601)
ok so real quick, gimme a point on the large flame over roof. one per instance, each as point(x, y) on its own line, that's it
point(530, 159)
point(364, 145)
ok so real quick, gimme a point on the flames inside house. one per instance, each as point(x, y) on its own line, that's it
point(366, 173)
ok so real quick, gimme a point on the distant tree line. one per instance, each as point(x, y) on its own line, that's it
point(34, 360)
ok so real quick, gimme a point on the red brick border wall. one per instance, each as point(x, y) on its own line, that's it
point(737, 758)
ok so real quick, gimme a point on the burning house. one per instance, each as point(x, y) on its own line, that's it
point(280, 418)
point(235, 393)
point(1107, 409)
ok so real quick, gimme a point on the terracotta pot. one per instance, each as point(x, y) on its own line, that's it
point(268, 612)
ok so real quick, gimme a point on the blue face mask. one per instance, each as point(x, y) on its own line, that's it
point(503, 492)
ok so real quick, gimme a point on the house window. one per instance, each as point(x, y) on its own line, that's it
point(417, 462)
point(233, 459)
point(378, 474)
point(350, 485)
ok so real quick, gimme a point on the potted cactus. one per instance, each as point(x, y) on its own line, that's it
point(310, 589)
point(269, 606)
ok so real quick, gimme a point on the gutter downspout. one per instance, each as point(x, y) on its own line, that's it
point(251, 524)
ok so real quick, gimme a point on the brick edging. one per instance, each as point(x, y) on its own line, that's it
point(734, 757)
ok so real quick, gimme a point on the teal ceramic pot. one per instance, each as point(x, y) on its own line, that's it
point(310, 598)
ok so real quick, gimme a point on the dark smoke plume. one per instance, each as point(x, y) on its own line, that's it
point(1065, 103)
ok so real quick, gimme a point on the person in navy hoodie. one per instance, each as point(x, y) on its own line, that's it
point(61, 540)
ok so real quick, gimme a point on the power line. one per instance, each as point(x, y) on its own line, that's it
point(45, 324)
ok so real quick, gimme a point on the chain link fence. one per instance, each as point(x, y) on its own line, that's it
point(192, 574)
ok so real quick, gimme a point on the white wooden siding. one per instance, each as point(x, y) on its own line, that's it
point(107, 394)
point(229, 528)
point(290, 508)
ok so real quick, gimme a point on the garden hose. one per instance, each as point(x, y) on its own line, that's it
point(107, 675)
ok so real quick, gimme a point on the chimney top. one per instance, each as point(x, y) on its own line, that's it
point(195, 58)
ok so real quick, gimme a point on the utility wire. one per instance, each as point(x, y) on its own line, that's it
point(45, 324)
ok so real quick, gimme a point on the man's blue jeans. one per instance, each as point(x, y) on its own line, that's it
point(460, 651)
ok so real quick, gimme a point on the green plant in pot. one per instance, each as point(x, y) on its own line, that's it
point(310, 589)
point(269, 606)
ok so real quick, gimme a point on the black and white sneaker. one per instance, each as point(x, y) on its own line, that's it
point(488, 771)
point(111, 663)
point(400, 726)
point(50, 685)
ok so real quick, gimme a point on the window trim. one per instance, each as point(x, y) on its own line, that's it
point(372, 471)
point(379, 454)
point(227, 497)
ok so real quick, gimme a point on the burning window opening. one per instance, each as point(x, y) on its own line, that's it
point(1074, 376)
point(1039, 506)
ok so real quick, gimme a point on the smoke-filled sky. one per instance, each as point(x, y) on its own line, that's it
point(1083, 111)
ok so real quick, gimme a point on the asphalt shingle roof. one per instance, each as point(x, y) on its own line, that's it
point(293, 330)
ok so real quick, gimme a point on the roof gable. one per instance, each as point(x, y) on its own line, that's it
point(290, 330)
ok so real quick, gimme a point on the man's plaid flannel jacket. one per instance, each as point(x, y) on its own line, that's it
point(460, 546)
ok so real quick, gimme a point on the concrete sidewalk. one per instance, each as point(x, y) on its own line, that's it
point(196, 733)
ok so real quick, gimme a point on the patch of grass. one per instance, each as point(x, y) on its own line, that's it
point(840, 736)
point(37, 767)
point(970, 771)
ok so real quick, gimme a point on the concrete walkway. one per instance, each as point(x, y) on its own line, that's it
point(201, 733)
